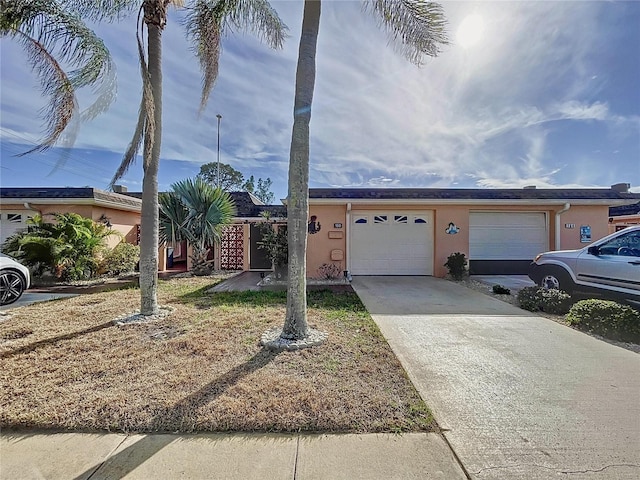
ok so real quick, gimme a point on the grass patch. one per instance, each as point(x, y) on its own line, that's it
point(63, 365)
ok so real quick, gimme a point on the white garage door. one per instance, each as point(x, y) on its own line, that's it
point(391, 243)
point(507, 235)
point(12, 222)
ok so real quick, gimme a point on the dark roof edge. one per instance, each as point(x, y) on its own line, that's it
point(470, 194)
point(67, 194)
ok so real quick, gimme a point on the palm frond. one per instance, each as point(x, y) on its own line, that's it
point(259, 18)
point(98, 10)
point(53, 34)
point(130, 155)
point(145, 127)
point(207, 21)
point(173, 217)
point(417, 27)
point(56, 85)
point(205, 210)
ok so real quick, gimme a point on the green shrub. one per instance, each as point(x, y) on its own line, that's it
point(501, 290)
point(121, 259)
point(555, 302)
point(530, 298)
point(275, 242)
point(69, 247)
point(457, 265)
point(536, 299)
point(607, 318)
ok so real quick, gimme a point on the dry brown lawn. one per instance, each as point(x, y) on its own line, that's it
point(65, 365)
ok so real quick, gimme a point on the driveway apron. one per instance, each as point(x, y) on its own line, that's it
point(518, 395)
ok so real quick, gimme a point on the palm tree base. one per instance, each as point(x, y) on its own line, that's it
point(138, 317)
point(273, 340)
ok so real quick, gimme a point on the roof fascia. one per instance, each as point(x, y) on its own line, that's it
point(258, 219)
point(73, 201)
point(475, 201)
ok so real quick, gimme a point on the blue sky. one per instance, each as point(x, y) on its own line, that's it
point(529, 93)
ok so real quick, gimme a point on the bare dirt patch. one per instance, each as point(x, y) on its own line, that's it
point(200, 368)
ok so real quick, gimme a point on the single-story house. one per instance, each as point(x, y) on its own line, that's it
point(120, 212)
point(239, 245)
point(624, 216)
point(390, 231)
point(121, 209)
point(412, 231)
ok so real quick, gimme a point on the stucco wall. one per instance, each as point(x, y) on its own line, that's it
point(617, 223)
point(122, 221)
point(595, 217)
point(445, 244)
point(320, 245)
point(329, 239)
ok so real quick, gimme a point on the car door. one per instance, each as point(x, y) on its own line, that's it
point(615, 267)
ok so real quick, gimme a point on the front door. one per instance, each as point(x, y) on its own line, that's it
point(258, 259)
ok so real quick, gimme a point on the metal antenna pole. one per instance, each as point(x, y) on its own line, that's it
point(219, 117)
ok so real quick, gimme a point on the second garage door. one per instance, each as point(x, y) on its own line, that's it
point(505, 242)
point(391, 243)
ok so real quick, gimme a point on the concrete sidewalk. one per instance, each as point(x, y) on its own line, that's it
point(226, 456)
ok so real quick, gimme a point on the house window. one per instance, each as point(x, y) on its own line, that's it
point(14, 217)
point(360, 220)
point(400, 218)
point(380, 219)
point(419, 220)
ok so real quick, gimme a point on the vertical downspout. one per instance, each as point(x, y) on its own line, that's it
point(348, 239)
point(566, 207)
point(28, 206)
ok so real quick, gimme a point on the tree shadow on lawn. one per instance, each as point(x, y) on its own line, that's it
point(128, 459)
point(51, 341)
point(324, 298)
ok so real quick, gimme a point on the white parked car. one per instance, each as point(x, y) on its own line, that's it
point(14, 279)
point(609, 267)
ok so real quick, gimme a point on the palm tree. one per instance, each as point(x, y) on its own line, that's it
point(418, 28)
point(206, 22)
point(51, 34)
point(195, 211)
point(43, 23)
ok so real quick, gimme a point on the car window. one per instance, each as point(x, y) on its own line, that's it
point(627, 245)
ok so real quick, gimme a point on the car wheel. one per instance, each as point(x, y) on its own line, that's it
point(11, 286)
point(557, 279)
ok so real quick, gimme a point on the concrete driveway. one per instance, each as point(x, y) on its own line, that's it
point(29, 298)
point(519, 396)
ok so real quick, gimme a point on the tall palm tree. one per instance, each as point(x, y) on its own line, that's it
point(195, 211)
point(42, 24)
point(418, 29)
point(53, 34)
point(206, 22)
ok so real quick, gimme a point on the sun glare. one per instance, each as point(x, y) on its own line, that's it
point(470, 30)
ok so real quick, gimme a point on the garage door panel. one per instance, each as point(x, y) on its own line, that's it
point(391, 243)
point(507, 235)
point(12, 222)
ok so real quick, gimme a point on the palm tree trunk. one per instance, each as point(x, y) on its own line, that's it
point(149, 225)
point(296, 326)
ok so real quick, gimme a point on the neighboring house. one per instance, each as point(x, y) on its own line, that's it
point(119, 211)
point(239, 245)
point(238, 249)
point(624, 216)
point(413, 231)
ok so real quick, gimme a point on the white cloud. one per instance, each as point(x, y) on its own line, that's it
point(500, 112)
